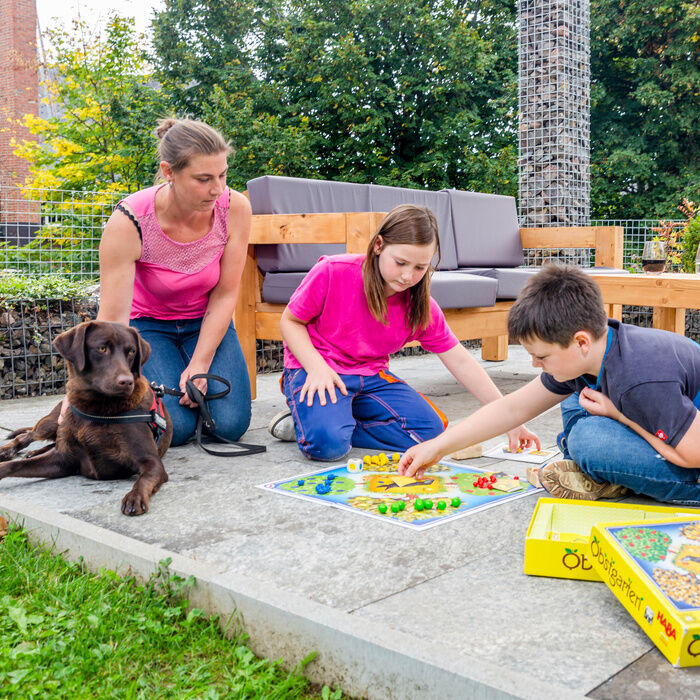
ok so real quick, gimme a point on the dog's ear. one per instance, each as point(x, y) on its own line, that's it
point(143, 351)
point(71, 345)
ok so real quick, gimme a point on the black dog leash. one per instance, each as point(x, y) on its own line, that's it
point(205, 422)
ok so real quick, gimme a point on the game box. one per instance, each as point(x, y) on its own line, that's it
point(556, 543)
point(653, 568)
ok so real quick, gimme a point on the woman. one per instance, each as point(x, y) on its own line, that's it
point(171, 259)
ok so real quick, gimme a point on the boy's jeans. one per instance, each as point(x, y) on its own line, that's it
point(380, 412)
point(609, 451)
point(172, 344)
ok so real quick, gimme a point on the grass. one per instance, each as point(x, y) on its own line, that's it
point(68, 633)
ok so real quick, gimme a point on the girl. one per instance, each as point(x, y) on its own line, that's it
point(340, 326)
point(171, 258)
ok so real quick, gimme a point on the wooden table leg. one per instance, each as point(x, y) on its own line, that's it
point(494, 348)
point(669, 319)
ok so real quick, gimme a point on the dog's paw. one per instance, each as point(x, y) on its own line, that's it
point(134, 504)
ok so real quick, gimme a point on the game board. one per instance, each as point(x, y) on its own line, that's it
point(373, 487)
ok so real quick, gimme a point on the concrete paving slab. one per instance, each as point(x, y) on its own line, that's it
point(393, 613)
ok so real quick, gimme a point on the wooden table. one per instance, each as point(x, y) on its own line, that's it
point(669, 293)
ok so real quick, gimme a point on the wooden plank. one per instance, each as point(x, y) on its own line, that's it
point(267, 325)
point(609, 246)
point(559, 237)
point(494, 348)
point(244, 315)
point(669, 320)
point(359, 230)
point(298, 228)
point(670, 290)
point(479, 322)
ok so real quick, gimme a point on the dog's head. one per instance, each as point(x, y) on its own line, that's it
point(107, 356)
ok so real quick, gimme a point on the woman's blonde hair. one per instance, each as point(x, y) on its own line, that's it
point(406, 224)
point(180, 139)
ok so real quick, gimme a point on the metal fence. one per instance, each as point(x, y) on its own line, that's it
point(58, 232)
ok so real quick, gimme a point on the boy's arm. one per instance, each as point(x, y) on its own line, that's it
point(492, 419)
point(469, 373)
point(685, 454)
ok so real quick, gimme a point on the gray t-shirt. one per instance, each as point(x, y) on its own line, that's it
point(651, 376)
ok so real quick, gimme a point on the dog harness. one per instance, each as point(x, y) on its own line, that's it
point(155, 416)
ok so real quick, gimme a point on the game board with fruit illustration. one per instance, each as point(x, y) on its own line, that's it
point(373, 487)
point(669, 554)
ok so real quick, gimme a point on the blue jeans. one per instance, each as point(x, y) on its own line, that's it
point(380, 412)
point(608, 451)
point(172, 344)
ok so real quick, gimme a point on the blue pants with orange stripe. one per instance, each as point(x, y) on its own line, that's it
point(380, 412)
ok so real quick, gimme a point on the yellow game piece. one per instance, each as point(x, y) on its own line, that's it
point(367, 459)
point(375, 459)
point(382, 456)
point(396, 457)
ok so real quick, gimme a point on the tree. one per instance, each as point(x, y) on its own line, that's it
point(645, 107)
point(418, 93)
point(102, 139)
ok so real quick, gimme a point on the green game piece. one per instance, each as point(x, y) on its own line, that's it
point(382, 508)
point(456, 502)
point(402, 505)
point(441, 505)
point(395, 508)
point(418, 505)
point(427, 504)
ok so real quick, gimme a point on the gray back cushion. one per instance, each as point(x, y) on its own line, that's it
point(486, 230)
point(273, 194)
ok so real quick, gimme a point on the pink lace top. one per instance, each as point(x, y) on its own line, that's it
point(173, 280)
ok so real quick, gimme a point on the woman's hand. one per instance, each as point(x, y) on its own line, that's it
point(418, 458)
point(521, 438)
point(598, 404)
point(201, 383)
point(319, 381)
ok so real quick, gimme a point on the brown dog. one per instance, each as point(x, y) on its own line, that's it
point(104, 382)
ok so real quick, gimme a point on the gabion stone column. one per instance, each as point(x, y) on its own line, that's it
point(554, 112)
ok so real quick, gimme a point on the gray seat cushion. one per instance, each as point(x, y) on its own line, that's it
point(486, 229)
point(451, 290)
point(511, 279)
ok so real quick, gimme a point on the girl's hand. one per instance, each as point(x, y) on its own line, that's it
point(319, 381)
point(521, 438)
point(418, 458)
point(201, 384)
point(598, 404)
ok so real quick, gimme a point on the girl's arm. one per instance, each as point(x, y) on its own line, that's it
point(685, 454)
point(120, 248)
point(222, 299)
point(492, 419)
point(320, 378)
point(469, 373)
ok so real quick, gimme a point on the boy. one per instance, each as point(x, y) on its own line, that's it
point(631, 419)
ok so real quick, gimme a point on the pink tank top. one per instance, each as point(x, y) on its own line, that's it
point(173, 280)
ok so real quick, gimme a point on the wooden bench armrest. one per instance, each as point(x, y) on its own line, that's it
point(606, 240)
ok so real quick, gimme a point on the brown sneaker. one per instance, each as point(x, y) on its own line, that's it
point(564, 479)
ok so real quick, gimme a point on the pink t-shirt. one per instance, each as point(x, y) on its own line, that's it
point(173, 280)
point(332, 301)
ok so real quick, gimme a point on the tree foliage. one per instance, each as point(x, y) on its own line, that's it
point(102, 136)
point(416, 93)
point(645, 106)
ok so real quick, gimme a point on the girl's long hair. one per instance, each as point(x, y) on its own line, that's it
point(407, 224)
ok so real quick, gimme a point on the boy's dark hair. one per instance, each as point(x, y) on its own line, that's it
point(557, 302)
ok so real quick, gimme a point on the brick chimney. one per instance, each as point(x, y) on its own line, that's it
point(19, 95)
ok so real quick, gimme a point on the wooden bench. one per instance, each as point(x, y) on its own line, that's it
point(257, 320)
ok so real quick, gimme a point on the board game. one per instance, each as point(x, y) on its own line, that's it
point(533, 456)
point(372, 486)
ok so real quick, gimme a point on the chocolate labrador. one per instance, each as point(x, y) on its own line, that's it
point(116, 426)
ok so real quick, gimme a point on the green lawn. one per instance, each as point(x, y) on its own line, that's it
point(67, 633)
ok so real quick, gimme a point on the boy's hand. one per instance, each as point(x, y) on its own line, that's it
point(418, 458)
point(598, 404)
point(319, 381)
point(521, 438)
